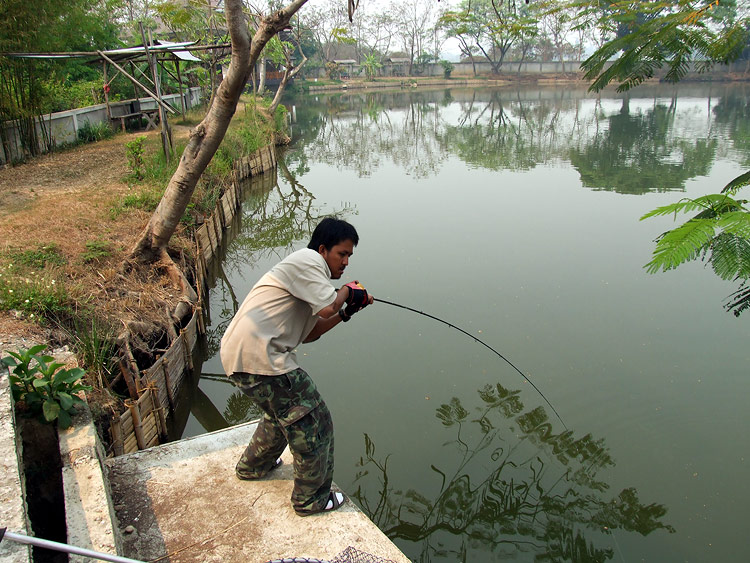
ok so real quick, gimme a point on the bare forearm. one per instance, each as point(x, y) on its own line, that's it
point(333, 309)
point(322, 326)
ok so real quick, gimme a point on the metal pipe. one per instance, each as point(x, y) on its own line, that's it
point(48, 544)
point(480, 342)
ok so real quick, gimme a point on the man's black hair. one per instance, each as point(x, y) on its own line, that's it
point(330, 232)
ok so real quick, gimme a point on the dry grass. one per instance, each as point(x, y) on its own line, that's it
point(65, 198)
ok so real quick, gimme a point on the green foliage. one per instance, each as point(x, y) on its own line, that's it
point(31, 87)
point(134, 151)
point(719, 234)
point(447, 68)
point(96, 249)
point(671, 34)
point(96, 348)
point(371, 65)
point(45, 387)
point(146, 199)
point(36, 294)
point(89, 133)
point(37, 258)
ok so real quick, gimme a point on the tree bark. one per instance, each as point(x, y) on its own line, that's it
point(206, 137)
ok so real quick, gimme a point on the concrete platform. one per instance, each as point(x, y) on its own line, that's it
point(12, 506)
point(181, 502)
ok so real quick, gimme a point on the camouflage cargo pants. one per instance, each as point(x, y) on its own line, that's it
point(293, 413)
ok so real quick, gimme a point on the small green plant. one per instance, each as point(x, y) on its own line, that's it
point(38, 257)
point(44, 386)
point(96, 249)
point(371, 65)
point(146, 199)
point(134, 151)
point(88, 132)
point(447, 68)
point(96, 347)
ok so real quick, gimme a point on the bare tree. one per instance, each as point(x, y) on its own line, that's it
point(151, 247)
point(415, 21)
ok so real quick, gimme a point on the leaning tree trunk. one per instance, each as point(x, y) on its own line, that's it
point(206, 137)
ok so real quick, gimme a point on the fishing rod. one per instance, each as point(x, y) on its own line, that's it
point(480, 342)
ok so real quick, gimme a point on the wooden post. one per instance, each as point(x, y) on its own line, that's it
point(137, 428)
point(167, 383)
point(186, 350)
point(106, 91)
point(179, 81)
point(166, 138)
point(128, 377)
point(158, 413)
point(116, 431)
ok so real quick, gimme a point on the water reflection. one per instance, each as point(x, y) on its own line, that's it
point(513, 487)
point(623, 143)
point(636, 153)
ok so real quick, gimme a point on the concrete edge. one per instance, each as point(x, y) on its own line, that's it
point(13, 511)
point(89, 513)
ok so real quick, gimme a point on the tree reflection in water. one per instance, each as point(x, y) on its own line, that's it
point(650, 143)
point(540, 498)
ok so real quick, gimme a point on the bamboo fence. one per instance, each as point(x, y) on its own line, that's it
point(143, 424)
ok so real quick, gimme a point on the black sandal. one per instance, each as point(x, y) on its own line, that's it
point(335, 500)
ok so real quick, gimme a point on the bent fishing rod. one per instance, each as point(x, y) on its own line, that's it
point(480, 342)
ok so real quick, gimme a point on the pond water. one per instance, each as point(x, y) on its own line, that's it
point(514, 214)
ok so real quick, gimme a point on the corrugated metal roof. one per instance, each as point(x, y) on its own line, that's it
point(177, 49)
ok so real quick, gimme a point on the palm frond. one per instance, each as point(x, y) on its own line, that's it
point(716, 203)
point(681, 245)
point(735, 223)
point(730, 256)
point(739, 182)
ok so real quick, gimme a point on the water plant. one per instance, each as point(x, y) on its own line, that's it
point(46, 387)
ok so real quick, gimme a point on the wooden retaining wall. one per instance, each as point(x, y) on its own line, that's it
point(209, 236)
point(143, 424)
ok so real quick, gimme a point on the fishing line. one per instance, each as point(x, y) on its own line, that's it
point(480, 342)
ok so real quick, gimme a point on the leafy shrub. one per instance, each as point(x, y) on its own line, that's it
point(43, 385)
point(89, 133)
point(134, 151)
point(447, 68)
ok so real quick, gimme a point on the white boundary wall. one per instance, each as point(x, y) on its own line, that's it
point(510, 68)
point(63, 126)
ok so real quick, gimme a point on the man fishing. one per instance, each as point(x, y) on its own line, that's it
point(293, 303)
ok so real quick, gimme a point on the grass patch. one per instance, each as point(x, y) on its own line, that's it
point(89, 133)
point(95, 345)
point(38, 257)
point(96, 250)
point(38, 295)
